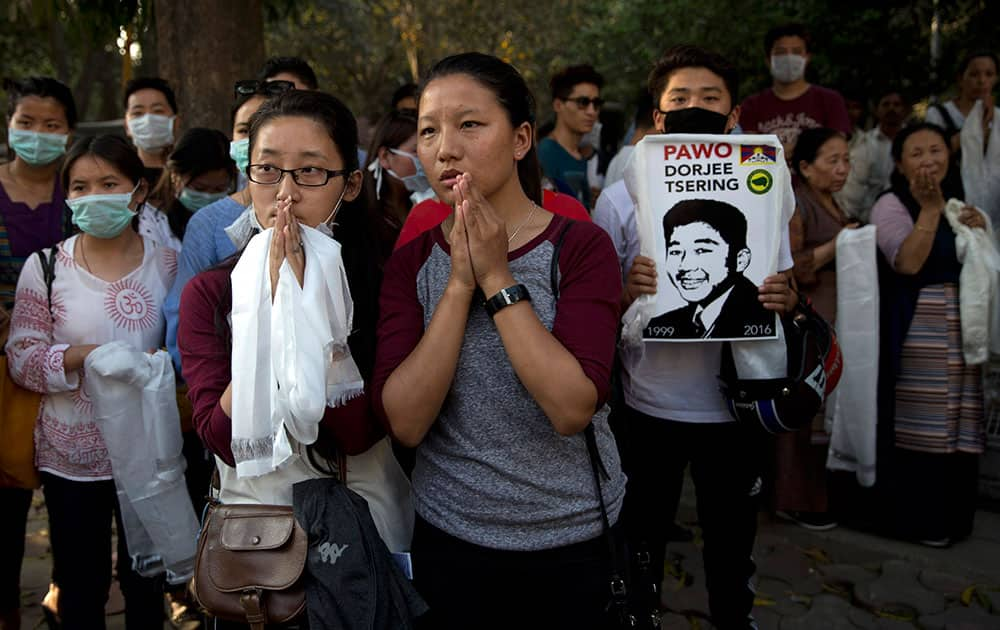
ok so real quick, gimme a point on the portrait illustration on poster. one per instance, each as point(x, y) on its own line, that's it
point(710, 210)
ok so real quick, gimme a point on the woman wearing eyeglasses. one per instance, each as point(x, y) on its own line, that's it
point(576, 101)
point(304, 177)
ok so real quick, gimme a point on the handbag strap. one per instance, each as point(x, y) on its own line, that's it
point(619, 592)
point(616, 583)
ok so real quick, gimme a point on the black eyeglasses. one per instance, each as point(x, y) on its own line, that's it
point(267, 88)
point(584, 102)
point(269, 175)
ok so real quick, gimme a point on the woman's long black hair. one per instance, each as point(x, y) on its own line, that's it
point(200, 150)
point(392, 130)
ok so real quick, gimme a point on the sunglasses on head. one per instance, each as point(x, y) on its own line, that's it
point(267, 88)
point(584, 102)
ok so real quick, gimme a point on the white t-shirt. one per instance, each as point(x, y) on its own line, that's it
point(674, 381)
point(615, 213)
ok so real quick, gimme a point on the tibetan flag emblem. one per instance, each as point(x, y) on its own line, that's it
point(757, 154)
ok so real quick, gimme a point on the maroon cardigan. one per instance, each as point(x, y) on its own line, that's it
point(205, 358)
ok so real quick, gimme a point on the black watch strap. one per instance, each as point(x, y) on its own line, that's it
point(506, 297)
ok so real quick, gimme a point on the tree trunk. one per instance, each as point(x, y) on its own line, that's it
point(203, 47)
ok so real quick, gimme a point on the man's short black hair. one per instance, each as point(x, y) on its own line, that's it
point(150, 83)
point(292, 65)
point(792, 29)
point(563, 82)
point(407, 90)
point(690, 56)
point(724, 218)
point(892, 89)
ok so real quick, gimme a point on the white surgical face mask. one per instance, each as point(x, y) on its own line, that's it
point(788, 68)
point(416, 183)
point(151, 131)
point(243, 228)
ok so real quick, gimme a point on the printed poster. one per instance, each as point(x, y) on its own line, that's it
point(710, 213)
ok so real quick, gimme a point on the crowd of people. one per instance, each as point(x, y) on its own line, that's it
point(457, 288)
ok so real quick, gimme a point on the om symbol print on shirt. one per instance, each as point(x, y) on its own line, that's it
point(130, 305)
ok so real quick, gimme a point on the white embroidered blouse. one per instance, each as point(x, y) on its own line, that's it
point(85, 310)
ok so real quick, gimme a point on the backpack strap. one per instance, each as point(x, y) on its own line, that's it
point(950, 127)
point(48, 259)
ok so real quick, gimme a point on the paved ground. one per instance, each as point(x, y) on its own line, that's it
point(840, 579)
point(843, 579)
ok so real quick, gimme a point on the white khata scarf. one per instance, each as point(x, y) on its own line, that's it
point(290, 358)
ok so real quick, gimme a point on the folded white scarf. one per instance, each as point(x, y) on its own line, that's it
point(852, 409)
point(981, 171)
point(290, 357)
point(977, 284)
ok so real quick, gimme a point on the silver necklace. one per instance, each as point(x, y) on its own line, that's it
point(510, 238)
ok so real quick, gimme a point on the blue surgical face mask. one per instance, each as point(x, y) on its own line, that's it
point(416, 183)
point(195, 200)
point(239, 150)
point(102, 216)
point(37, 148)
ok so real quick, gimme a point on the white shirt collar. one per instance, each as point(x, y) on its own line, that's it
point(711, 312)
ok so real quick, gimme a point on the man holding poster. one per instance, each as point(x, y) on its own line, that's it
point(674, 413)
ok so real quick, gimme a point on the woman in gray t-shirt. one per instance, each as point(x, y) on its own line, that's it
point(495, 346)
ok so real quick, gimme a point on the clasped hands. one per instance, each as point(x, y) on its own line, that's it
point(286, 244)
point(478, 240)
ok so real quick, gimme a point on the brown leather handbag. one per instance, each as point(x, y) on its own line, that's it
point(250, 564)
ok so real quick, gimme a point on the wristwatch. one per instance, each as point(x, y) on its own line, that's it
point(506, 297)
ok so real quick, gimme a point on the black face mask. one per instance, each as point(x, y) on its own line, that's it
point(694, 120)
